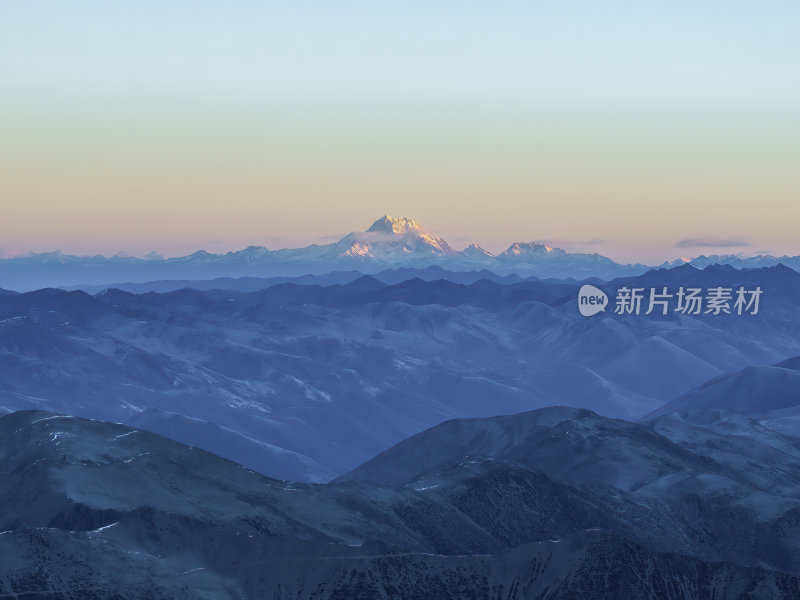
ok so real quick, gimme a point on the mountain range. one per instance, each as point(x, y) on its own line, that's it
point(389, 243)
point(254, 284)
point(557, 503)
point(240, 374)
point(417, 433)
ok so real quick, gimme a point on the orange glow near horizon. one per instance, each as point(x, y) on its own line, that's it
point(487, 126)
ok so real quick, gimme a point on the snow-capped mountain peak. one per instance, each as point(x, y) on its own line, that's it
point(389, 242)
point(357, 249)
point(393, 238)
point(476, 250)
point(396, 225)
point(253, 253)
point(532, 248)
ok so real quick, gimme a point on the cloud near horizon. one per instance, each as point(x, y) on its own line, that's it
point(712, 243)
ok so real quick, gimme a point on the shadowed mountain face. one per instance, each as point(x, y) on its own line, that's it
point(573, 445)
point(769, 395)
point(675, 484)
point(305, 382)
point(99, 510)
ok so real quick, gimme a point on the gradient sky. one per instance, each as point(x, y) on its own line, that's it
point(642, 130)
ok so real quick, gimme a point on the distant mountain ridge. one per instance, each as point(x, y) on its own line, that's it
point(390, 242)
point(737, 261)
point(253, 284)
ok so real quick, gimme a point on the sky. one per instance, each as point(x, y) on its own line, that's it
point(641, 130)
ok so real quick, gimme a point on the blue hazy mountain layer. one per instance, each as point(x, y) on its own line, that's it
point(254, 284)
point(305, 382)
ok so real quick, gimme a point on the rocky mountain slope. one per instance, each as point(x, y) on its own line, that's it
point(100, 510)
